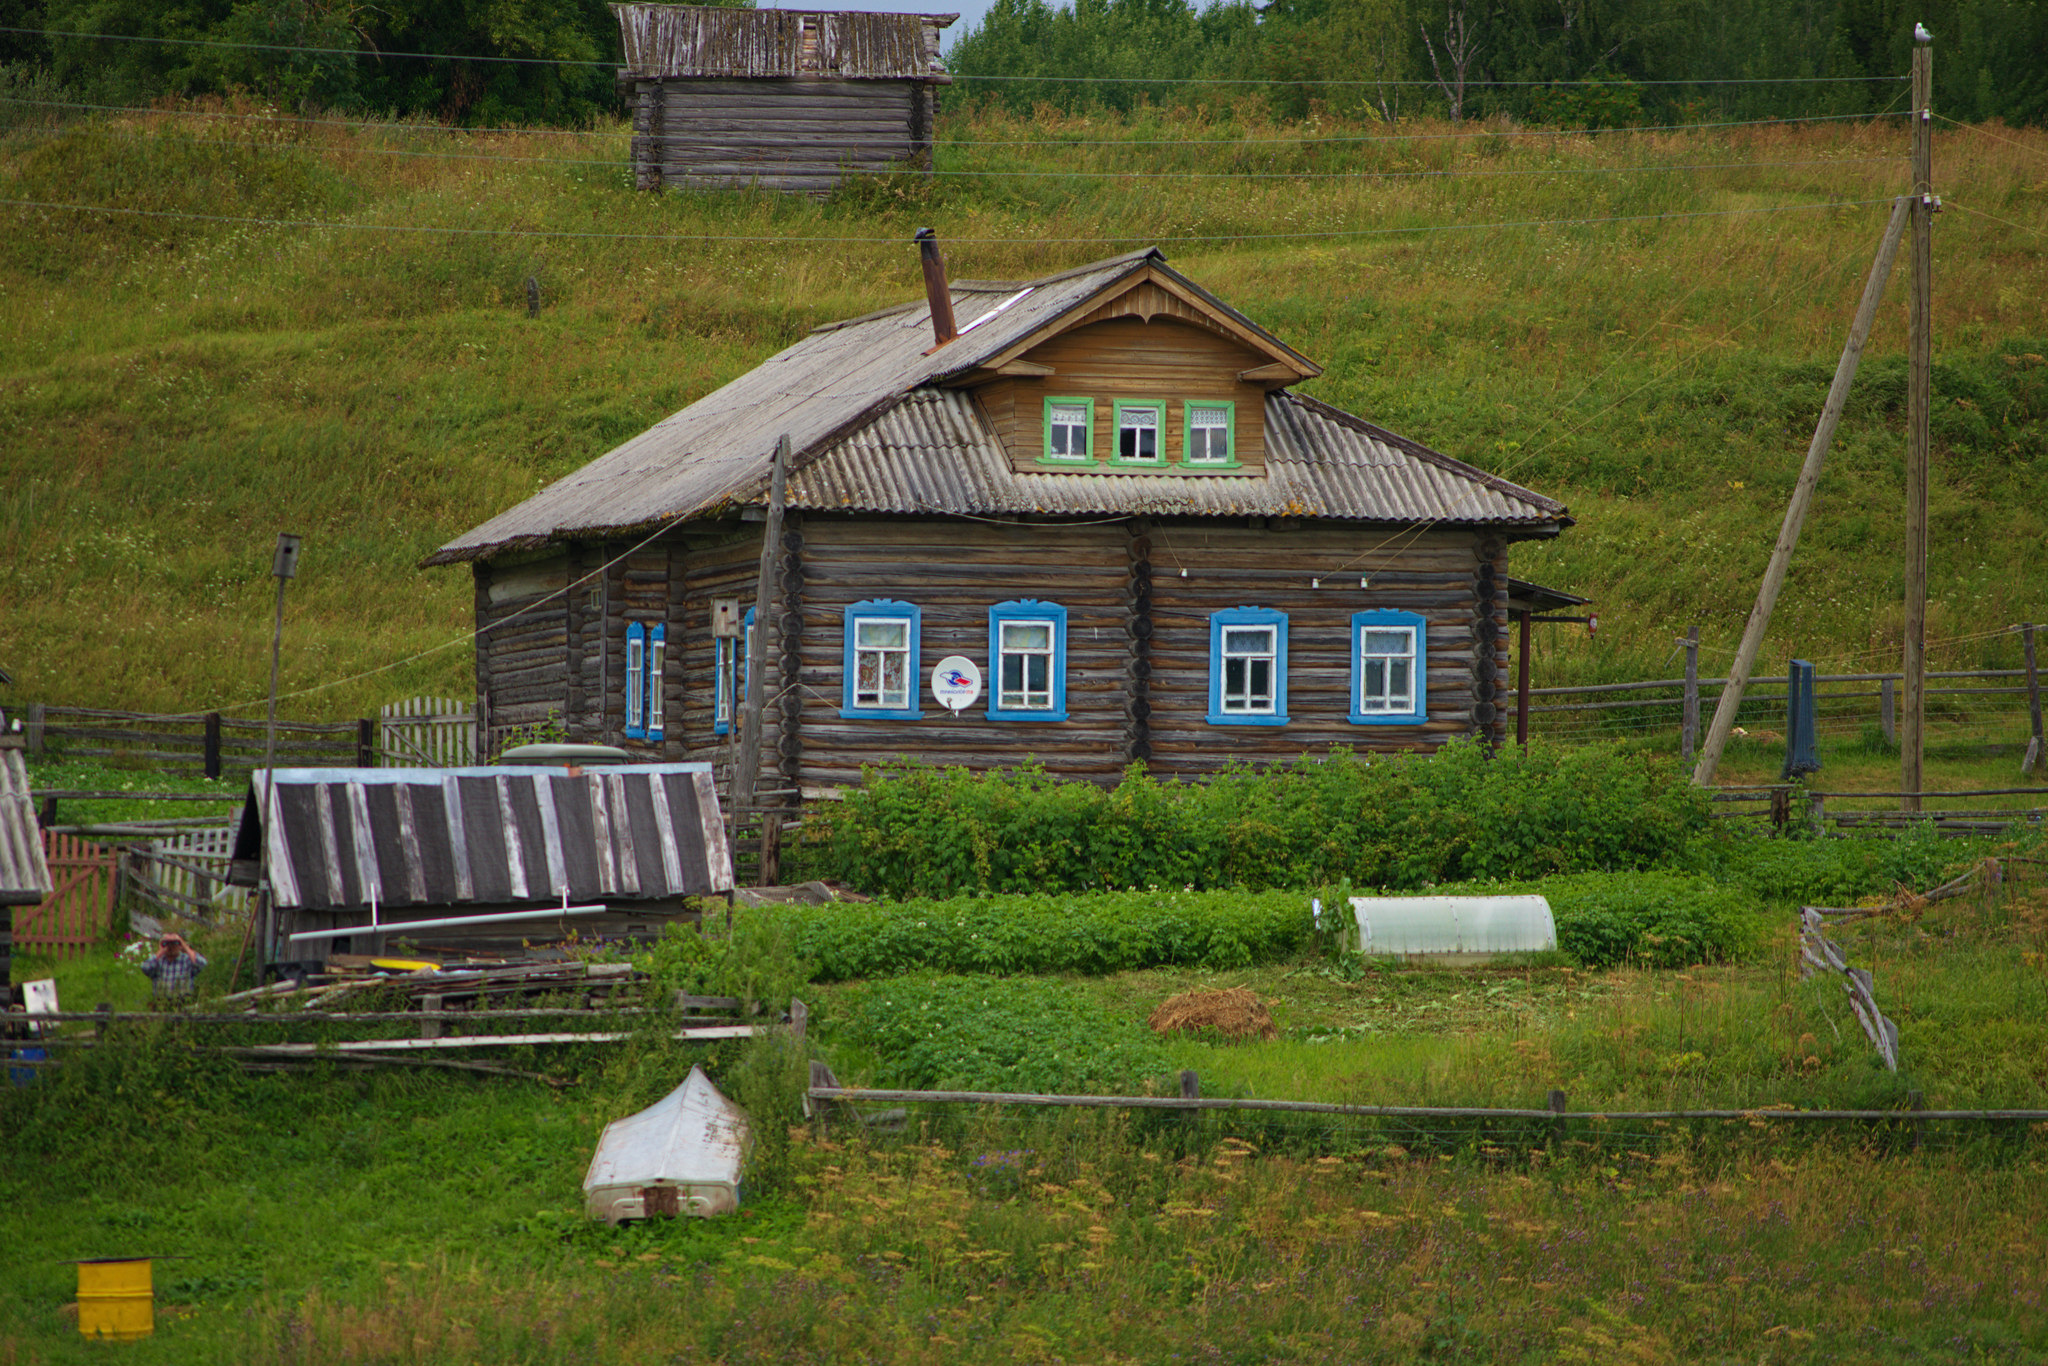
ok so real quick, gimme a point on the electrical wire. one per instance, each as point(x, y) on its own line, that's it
point(1334, 234)
point(942, 144)
point(613, 164)
point(308, 50)
point(1956, 204)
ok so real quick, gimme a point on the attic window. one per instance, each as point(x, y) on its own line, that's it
point(1209, 434)
point(1138, 433)
point(1068, 422)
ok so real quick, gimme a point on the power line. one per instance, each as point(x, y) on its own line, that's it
point(308, 51)
point(955, 144)
point(784, 240)
point(609, 164)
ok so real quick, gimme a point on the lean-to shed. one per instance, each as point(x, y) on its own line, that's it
point(478, 857)
point(782, 99)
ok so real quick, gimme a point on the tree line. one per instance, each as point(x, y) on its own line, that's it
point(1584, 63)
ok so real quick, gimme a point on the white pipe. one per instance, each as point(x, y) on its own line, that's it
point(405, 926)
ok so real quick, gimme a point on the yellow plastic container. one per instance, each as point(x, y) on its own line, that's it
point(116, 1301)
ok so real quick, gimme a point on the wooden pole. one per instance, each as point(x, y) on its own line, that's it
point(1691, 719)
point(1912, 738)
point(747, 767)
point(1802, 498)
point(1522, 685)
point(2037, 754)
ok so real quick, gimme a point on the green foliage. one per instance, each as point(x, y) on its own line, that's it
point(1658, 920)
point(759, 961)
point(1095, 933)
point(995, 1034)
point(1381, 820)
point(1841, 872)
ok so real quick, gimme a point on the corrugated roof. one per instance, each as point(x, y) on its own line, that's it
point(486, 836)
point(717, 453)
point(663, 42)
point(933, 452)
point(24, 875)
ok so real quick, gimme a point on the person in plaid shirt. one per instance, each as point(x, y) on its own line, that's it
point(173, 966)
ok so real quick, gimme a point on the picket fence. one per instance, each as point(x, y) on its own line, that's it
point(427, 732)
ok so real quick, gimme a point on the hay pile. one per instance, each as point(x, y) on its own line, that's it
point(1235, 1014)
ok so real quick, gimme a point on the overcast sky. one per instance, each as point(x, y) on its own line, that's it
point(970, 10)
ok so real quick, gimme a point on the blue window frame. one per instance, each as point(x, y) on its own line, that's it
point(881, 661)
point(724, 683)
point(1389, 668)
point(1027, 661)
point(732, 666)
point(657, 651)
point(1248, 667)
point(636, 681)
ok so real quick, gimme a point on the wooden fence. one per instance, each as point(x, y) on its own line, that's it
point(80, 910)
point(427, 732)
point(204, 742)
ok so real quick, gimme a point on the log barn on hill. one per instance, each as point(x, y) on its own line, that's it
point(1102, 488)
point(777, 99)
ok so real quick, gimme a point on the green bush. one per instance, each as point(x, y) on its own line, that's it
point(1095, 933)
point(1840, 872)
point(1659, 920)
point(1397, 821)
point(995, 1034)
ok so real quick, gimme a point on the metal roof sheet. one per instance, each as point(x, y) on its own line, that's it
point(663, 42)
point(718, 452)
point(343, 838)
point(24, 874)
point(934, 452)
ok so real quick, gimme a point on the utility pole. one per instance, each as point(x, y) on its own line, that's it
point(748, 764)
point(1920, 345)
point(1802, 498)
point(284, 567)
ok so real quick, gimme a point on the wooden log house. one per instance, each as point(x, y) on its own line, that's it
point(1103, 489)
point(777, 99)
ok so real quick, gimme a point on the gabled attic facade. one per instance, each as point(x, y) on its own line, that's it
point(1101, 490)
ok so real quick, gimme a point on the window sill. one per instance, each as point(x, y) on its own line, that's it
point(1384, 718)
point(1238, 718)
point(993, 715)
point(877, 714)
point(1068, 462)
point(1205, 466)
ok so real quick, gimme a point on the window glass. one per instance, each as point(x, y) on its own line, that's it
point(1026, 666)
point(724, 681)
point(1067, 430)
point(636, 679)
point(1386, 669)
point(657, 650)
point(1248, 657)
point(881, 663)
point(1137, 433)
point(1208, 436)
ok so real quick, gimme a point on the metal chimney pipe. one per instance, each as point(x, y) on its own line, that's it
point(941, 298)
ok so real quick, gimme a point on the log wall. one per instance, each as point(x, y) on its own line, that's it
point(799, 135)
point(1137, 676)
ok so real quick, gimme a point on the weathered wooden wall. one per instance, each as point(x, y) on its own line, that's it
point(800, 135)
point(1128, 358)
point(1137, 676)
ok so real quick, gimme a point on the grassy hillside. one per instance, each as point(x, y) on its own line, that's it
point(174, 391)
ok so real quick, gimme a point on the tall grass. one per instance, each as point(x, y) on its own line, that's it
point(173, 392)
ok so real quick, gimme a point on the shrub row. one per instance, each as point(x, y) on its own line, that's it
point(1396, 821)
point(1659, 920)
point(1098, 933)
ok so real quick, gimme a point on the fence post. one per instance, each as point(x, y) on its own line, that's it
point(1558, 1104)
point(2035, 754)
point(210, 762)
point(1692, 689)
point(430, 1027)
point(771, 848)
point(1888, 711)
point(1190, 1084)
point(366, 742)
point(35, 728)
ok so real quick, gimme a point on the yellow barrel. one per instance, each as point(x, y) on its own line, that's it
point(115, 1299)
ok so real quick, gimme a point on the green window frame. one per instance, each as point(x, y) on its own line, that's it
point(1158, 429)
point(1067, 457)
point(1205, 461)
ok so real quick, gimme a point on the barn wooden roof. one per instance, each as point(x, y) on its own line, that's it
point(872, 428)
point(667, 42)
point(24, 876)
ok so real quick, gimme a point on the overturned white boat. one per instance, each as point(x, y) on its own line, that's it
point(681, 1155)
